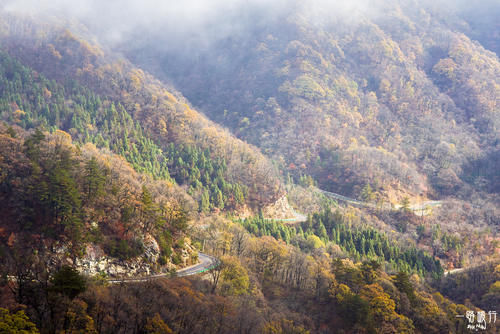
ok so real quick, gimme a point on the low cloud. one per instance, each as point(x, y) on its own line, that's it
point(115, 20)
point(197, 21)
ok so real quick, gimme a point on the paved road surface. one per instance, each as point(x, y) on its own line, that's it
point(453, 271)
point(420, 209)
point(298, 218)
point(206, 263)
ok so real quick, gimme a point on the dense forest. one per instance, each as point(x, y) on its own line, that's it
point(56, 195)
point(297, 147)
point(403, 101)
point(125, 109)
point(367, 243)
point(31, 100)
point(261, 285)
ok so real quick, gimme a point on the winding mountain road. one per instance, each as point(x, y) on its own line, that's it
point(420, 209)
point(298, 218)
point(206, 263)
point(453, 271)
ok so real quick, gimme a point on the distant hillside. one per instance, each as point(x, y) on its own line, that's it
point(362, 110)
point(395, 98)
point(102, 98)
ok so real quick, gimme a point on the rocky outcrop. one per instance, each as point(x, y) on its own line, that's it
point(280, 209)
point(151, 248)
point(95, 261)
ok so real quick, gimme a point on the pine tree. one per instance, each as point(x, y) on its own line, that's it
point(405, 204)
point(402, 282)
point(367, 194)
point(63, 199)
point(94, 180)
point(238, 194)
point(218, 199)
point(32, 145)
point(205, 201)
point(149, 210)
point(322, 232)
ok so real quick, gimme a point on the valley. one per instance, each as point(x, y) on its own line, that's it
point(253, 167)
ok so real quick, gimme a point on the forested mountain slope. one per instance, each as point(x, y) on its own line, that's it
point(393, 96)
point(107, 171)
point(63, 204)
point(102, 98)
point(376, 100)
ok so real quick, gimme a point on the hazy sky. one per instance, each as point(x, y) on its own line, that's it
point(112, 19)
point(199, 20)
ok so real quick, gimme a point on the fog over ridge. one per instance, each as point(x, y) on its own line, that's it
point(114, 20)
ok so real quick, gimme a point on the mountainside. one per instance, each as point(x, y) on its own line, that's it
point(118, 106)
point(63, 203)
point(325, 166)
point(395, 96)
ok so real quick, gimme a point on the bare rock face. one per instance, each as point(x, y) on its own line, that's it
point(95, 261)
point(151, 248)
point(280, 209)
